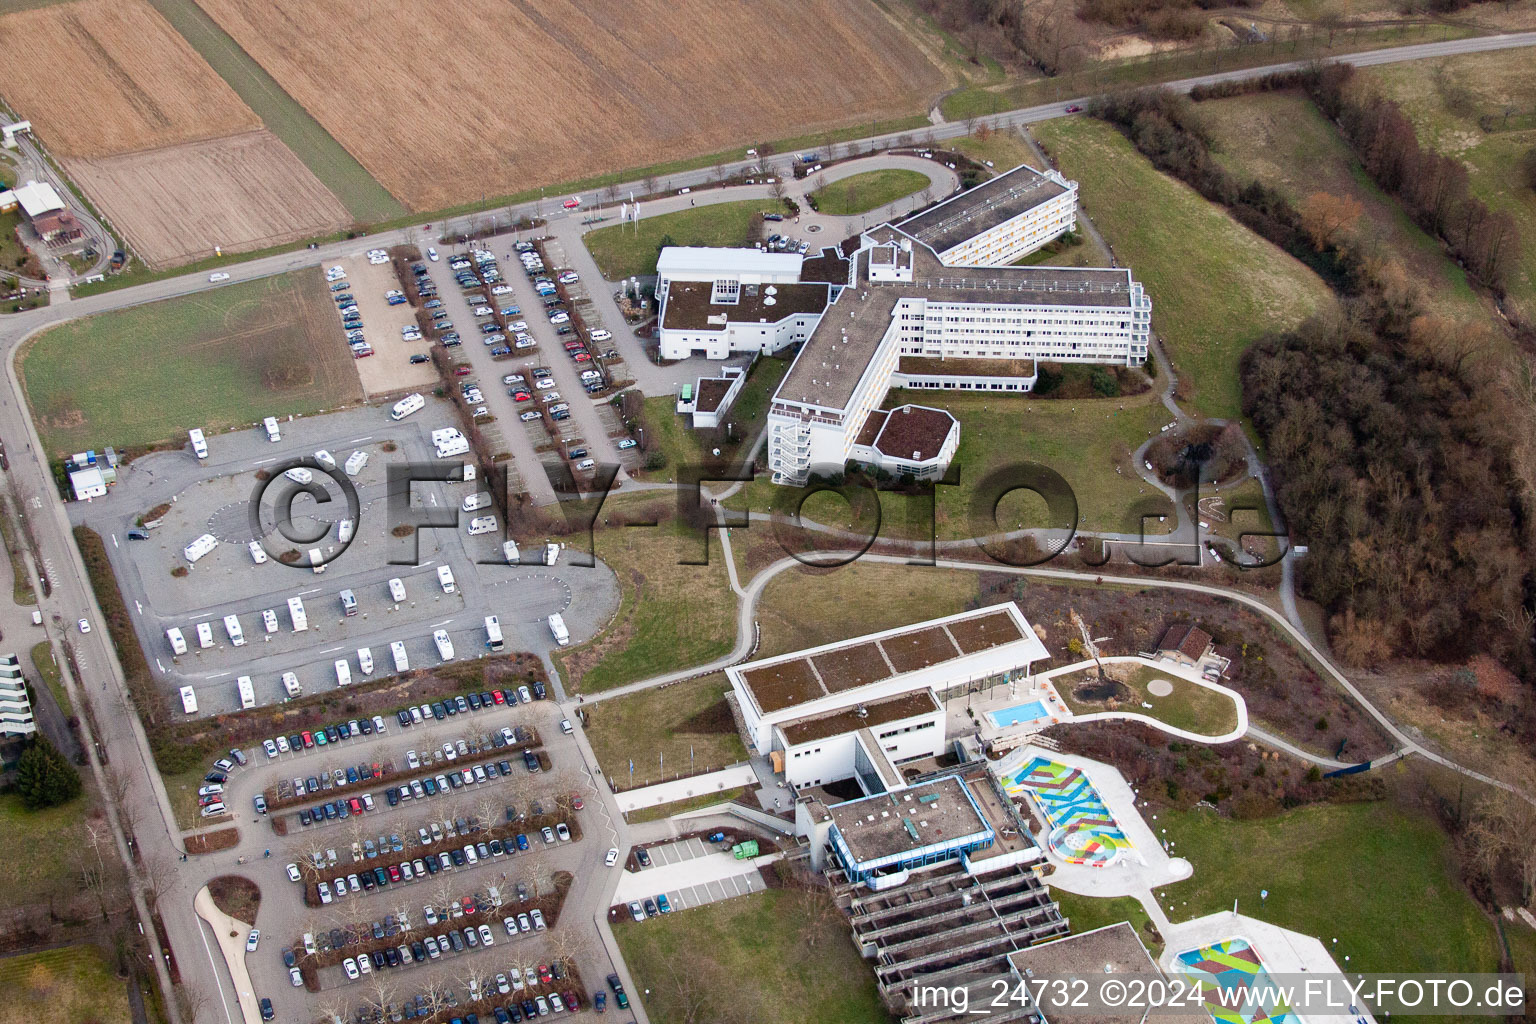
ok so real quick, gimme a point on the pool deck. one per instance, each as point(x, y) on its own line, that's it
point(1282, 951)
point(970, 716)
point(1144, 866)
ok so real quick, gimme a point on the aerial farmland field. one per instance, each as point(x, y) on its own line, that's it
point(241, 192)
point(130, 82)
point(520, 95)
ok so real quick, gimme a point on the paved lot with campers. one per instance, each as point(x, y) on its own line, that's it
point(212, 497)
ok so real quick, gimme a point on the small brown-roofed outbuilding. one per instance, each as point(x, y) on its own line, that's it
point(915, 432)
point(1184, 643)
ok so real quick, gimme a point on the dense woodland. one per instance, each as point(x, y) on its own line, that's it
point(1400, 444)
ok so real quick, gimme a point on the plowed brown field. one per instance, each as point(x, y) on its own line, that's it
point(445, 102)
point(103, 77)
point(242, 192)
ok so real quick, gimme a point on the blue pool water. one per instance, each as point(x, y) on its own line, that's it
point(1019, 713)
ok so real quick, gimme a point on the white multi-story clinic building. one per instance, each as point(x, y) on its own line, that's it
point(861, 708)
point(15, 706)
point(930, 302)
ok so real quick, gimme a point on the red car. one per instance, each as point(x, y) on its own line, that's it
point(522, 396)
point(356, 805)
point(581, 357)
point(544, 974)
point(576, 803)
point(309, 740)
point(469, 906)
point(462, 370)
point(571, 1001)
point(498, 697)
point(571, 204)
point(394, 872)
point(1075, 109)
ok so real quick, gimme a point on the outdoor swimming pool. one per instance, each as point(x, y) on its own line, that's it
point(1232, 975)
point(1019, 714)
point(1082, 829)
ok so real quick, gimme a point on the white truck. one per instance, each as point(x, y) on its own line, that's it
point(296, 613)
point(246, 691)
point(200, 547)
point(397, 651)
point(199, 444)
point(444, 644)
point(557, 628)
point(407, 405)
point(273, 434)
point(188, 700)
point(178, 642)
point(232, 627)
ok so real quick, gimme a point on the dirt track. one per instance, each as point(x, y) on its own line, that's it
point(242, 192)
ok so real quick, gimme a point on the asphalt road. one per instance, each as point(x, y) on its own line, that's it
point(143, 801)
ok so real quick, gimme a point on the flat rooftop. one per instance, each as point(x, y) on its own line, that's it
point(982, 207)
point(839, 350)
point(784, 682)
point(723, 261)
point(1113, 950)
point(909, 819)
point(846, 720)
point(710, 393)
point(915, 432)
point(962, 366)
point(829, 266)
point(688, 305)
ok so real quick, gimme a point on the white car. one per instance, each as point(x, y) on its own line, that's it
point(252, 940)
point(431, 254)
point(529, 417)
point(518, 326)
point(85, 625)
point(221, 276)
point(628, 442)
point(545, 384)
point(553, 396)
point(336, 273)
point(270, 746)
point(612, 858)
point(569, 277)
point(600, 335)
point(258, 553)
point(293, 872)
point(350, 966)
point(560, 318)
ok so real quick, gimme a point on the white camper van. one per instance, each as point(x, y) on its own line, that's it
point(557, 627)
point(291, 685)
point(444, 644)
point(397, 651)
point(204, 635)
point(246, 691)
point(199, 444)
point(178, 642)
point(188, 700)
point(200, 547)
point(232, 627)
point(273, 434)
point(445, 577)
point(406, 406)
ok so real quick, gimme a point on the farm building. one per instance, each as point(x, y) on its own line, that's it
point(45, 211)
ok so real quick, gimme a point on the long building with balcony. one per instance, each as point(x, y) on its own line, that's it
point(900, 301)
point(15, 706)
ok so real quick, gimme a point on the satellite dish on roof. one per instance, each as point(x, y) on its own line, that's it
point(771, 290)
point(769, 300)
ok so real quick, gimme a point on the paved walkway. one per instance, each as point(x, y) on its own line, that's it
point(684, 789)
point(230, 935)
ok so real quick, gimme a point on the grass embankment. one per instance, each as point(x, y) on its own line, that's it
point(1006, 150)
point(1085, 913)
point(42, 658)
point(71, 985)
point(1324, 867)
point(684, 446)
point(1132, 72)
point(1088, 442)
point(1215, 285)
point(1477, 109)
point(21, 581)
point(671, 615)
point(1283, 140)
point(860, 193)
point(1190, 706)
point(661, 811)
point(622, 251)
point(658, 729)
point(216, 360)
point(697, 963)
point(365, 199)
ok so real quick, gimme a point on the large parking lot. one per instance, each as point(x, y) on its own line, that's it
point(165, 591)
point(405, 932)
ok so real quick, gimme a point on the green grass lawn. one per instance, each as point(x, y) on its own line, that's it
point(215, 360)
point(1283, 140)
point(42, 657)
point(670, 615)
point(1189, 706)
point(52, 839)
point(770, 949)
point(659, 728)
point(365, 199)
point(1215, 286)
point(621, 251)
point(70, 985)
point(12, 252)
point(1375, 877)
point(802, 609)
point(1085, 441)
point(21, 582)
point(860, 193)
point(1447, 100)
point(684, 446)
point(693, 803)
point(1005, 149)
point(1085, 913)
